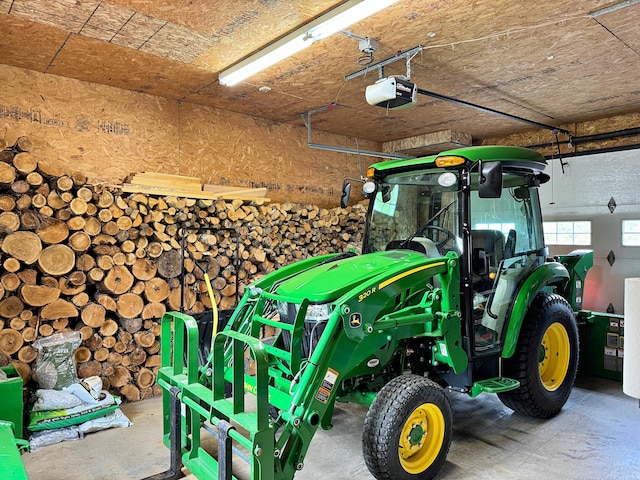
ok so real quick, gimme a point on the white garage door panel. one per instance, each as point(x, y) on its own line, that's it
point(583, 193)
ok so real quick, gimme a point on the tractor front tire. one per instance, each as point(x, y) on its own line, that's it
point(546, 358)
point(407, 431)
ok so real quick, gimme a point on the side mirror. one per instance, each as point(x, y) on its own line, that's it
point(367, 189)
point(490, 180)
point(344, 195)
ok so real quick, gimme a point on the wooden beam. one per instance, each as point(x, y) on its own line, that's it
point(165, 191)
point(254, 192)
point(428, 144)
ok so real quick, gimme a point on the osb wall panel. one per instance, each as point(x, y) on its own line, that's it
point(229, 148)
point(107, 133)
point(103, 132)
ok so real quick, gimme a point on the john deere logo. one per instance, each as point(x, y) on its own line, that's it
point(355, 320)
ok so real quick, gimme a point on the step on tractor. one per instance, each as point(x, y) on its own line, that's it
point(453, 292)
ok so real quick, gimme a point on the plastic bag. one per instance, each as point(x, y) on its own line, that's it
point(111, 420)
point(51, 437)
point(52, 419)
point(55, 366)
point(47, 399)
point(88, 390)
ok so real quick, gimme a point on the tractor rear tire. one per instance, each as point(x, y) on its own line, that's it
point(407, 431)
point(546, 358)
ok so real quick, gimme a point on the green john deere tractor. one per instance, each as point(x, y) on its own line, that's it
point(453, 292)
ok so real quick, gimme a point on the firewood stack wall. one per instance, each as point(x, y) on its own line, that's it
point(85, 257)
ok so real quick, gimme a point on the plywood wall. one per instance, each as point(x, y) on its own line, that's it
point(108, 133)
point(233, 149)
point(103, 132)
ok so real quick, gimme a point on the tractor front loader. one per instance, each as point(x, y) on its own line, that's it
point(453, 292)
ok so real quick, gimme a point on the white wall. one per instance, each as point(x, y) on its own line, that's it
point(582, 193)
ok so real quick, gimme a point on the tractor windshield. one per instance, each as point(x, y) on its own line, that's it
point(416, 210)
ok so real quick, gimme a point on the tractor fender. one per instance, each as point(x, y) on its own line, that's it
point(544, 275)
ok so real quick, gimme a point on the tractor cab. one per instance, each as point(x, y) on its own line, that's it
point(481, 204)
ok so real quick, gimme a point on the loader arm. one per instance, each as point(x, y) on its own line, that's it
point(359, 338)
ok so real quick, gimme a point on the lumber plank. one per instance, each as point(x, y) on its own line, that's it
point(134, 188)
point(170, 183)
point(160, 175)
point(253, 192)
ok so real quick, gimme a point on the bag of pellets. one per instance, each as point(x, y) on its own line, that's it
point(115, 419)
point(55, 366)
point(66, 417)
point(51, 437)
point(49, 399)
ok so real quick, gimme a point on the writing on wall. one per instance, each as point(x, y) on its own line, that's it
point(80, 124)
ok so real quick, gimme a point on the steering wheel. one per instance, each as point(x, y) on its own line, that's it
point(439, 232)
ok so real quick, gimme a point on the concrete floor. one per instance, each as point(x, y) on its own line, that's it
point(595, 436)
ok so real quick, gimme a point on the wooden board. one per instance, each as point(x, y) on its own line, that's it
point(127, 68)
point(222, 190)
point(163, 180)
point(176, 192)
point(428, 144)
point(191, 187)
point(29, 45)
point(166, 176)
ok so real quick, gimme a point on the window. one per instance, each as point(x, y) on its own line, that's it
point(568, 233)
point(503, 227)
point(414, 205)
point(515, 214)
point(631, 233)
point(389, 206)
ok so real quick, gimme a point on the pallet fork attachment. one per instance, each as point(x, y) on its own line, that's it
point(175, 468)
point(198, 405)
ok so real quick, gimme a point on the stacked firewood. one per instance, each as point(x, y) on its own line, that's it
point(88, 258)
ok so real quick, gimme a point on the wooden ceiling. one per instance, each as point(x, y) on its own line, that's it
point(549, 61)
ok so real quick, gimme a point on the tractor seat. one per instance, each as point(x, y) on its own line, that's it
point(492, 242)
point(418, 244)
point(429, 246)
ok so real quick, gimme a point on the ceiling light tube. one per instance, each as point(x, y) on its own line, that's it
point(339, 18)
point(612, 8)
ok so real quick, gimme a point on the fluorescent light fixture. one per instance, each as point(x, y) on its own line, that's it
point(612, 8)
point(339, 18)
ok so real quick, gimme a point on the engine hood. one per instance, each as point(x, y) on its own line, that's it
point(327, 282)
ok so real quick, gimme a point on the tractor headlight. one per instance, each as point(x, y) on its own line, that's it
point(318, 313)
point(315, 321)
point(315, 312)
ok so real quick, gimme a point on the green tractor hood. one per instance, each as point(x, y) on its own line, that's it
point(328, 281)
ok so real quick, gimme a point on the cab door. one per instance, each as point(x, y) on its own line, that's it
point(506, 233)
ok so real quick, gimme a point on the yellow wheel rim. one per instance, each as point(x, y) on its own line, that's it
point(554, 356)
point(421, 438)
